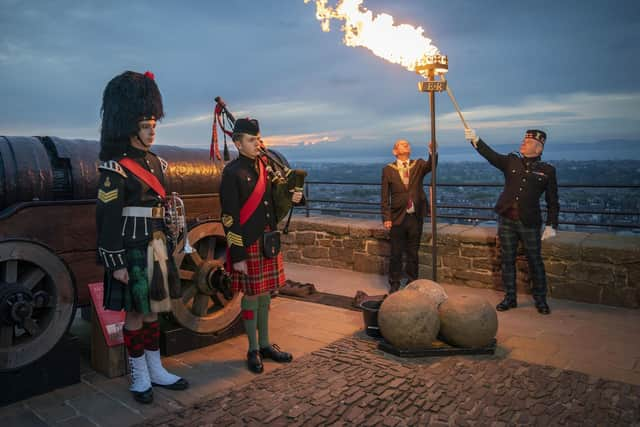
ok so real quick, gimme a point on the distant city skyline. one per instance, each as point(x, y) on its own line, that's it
point(567, 67)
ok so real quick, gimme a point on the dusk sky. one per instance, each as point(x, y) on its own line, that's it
point(567, 66)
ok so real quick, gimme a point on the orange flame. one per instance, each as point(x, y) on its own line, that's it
point(399, 44)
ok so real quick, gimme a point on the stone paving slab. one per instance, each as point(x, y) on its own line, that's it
point(296, 326)
point(350, 382)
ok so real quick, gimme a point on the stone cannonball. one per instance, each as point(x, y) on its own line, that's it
point(430, 288)
point(408, 320)
point(468, 321)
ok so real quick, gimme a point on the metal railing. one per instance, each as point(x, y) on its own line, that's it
point(336, 205)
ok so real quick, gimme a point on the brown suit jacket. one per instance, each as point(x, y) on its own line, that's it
point(395, 196)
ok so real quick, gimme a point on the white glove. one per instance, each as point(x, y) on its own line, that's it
point(470, 135)
point(296, 197)
point(548, 232)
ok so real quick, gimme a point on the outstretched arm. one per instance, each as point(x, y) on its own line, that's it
point(427, 165)
point(496, 159)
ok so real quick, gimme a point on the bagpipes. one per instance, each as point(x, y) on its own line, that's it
point(285, 180)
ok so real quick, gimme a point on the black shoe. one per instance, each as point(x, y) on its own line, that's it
point(254, 361)
point(507, 303)
point(274, 353)
point(542, 306)
point(394, 287)
point(145, 397)
point(181, 384)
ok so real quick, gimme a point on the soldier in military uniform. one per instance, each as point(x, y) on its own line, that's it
point(140, 276)
point(526, 178)
point(248, 217)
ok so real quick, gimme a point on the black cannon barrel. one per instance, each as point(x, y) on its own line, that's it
point(51, 168)
point(25, 171)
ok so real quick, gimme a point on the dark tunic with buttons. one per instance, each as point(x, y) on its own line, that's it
point(525, 181)
point(123, 241)
point(239, 179)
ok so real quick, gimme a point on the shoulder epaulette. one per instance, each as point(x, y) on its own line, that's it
point(113, 166)
point(164, 164)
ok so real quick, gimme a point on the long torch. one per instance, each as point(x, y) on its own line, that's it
point(454, 102)
point(429, 67)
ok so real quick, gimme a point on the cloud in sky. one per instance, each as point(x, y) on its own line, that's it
point(570, 68)
point(568, 117)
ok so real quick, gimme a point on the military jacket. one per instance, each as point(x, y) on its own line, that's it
point(239, 178)
point(117, 189)
point(525, 181)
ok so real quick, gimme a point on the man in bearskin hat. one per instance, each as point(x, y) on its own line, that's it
point(526, 178)
point(249, 222)
point(140, 275)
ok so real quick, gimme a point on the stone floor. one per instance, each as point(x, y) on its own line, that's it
point(600, 342)
point(350, 382)
point(296, 326)
point(594, 339)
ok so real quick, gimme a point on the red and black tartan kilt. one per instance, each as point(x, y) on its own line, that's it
point(264, 274)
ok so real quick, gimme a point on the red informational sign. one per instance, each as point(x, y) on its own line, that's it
point(111, 322)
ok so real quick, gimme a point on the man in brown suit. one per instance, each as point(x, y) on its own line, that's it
point(404, 206)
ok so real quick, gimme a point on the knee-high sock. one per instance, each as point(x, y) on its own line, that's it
point(151, 333)
point(263, 319)
point(134, 341)
point(249, 318)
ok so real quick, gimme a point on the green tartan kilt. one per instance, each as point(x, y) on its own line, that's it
point(133, 296)
point(136, 295)
point(147, 291)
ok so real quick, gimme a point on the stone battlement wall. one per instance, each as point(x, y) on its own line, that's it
point(589, 267)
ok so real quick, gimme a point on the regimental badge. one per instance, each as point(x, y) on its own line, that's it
point(107, 196)
point(227, 220)
point(107, 183)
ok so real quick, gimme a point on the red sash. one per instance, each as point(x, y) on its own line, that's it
point(255, 198)
point(144, 175)
point(250, 206)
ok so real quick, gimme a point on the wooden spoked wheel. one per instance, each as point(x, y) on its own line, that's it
point(37, 302)
point(203, 307)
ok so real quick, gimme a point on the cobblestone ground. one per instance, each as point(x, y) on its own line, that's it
point(350, 382)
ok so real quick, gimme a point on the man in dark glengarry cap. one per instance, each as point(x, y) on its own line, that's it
point(526, 178)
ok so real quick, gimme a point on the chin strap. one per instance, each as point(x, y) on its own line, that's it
point(142, 142)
